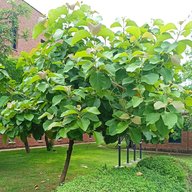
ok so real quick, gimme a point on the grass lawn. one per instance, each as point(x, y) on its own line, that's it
point(40, 170)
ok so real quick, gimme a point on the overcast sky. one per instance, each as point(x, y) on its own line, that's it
point(140, 11)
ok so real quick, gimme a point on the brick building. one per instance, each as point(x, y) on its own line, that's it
point(25, 23)
point(184, 146)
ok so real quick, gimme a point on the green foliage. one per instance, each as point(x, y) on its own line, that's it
point(151, 174)
point(14, 73)
point(188, 123)
point(165, 166)
point(21, 119)
point(88, 78)
point(10, 76)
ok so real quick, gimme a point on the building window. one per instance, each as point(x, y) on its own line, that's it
point(42, 41)
point(175, 137)
point(14, 41)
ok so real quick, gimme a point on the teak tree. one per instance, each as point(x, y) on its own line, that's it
point(9, 75)
point(87, 78)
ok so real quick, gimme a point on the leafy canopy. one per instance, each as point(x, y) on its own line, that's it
point(88, 78)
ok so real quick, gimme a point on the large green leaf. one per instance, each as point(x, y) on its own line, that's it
point(188, 101)
point(92, 110)
point(98, 137)
point(124, 116)
point(53, 125)
point(82, 54)
point(127, 80)
point(136, 101)
point(136, 120)
point(42, 86)
point(79, 35)
point(162, 128)
point(46, 114)
point(135, 135)
point(188, 26)
point(106, 33)
point(58, 34)
point(167, 74)
point(62, 88)
point(54, 14)
point(133, 30)
point(132, 67)
point(148, 35)
point(63, 133)
point(167, 27)
point(20, 117)
point(159, 104)
point(99, 81)
point(178, 105)
point(181, 47)
point(69, 112)
point(57, 99)
point(34, 79)
point(39, 28)
point(68, 66)
point(150, 78)
point(169, 119)
point(29, 116)
point(3, 100)
point(83, 123)
point(121, 127)
point(152, 118)
point(115, 24)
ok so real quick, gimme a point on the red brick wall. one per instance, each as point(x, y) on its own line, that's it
point(32, 142)
point(184, 146)
point(25, 24)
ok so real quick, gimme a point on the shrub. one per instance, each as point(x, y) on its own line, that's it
point(154, 174)
point(165, 166)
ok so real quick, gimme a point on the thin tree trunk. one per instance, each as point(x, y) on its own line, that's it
point(67, 161)
point(48, 144)
point(27, 149)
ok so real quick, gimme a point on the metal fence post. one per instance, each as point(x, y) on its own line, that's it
point(119, 151)
point(140, 150)
point(134, 152)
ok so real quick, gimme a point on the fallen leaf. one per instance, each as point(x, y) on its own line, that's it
point(139, 174)
point(36, 187)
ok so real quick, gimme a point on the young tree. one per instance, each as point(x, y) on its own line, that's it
point(9, 75)
point(86, 78)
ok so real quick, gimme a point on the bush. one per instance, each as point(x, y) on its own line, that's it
point(151, 174)
point(15, 73)
point(165, 166)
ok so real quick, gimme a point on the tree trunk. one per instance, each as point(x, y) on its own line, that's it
point(67, 161)
point(27, 149)
point(48, 143)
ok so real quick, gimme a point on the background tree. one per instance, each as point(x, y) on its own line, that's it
point(9, 75)
point(86, 78)
point(8, 34)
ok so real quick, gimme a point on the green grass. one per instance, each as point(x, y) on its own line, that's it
point(21, 172)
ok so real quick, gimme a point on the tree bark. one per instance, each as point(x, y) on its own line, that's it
point(27, 149)
point(48, 143)
point(67, 161)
